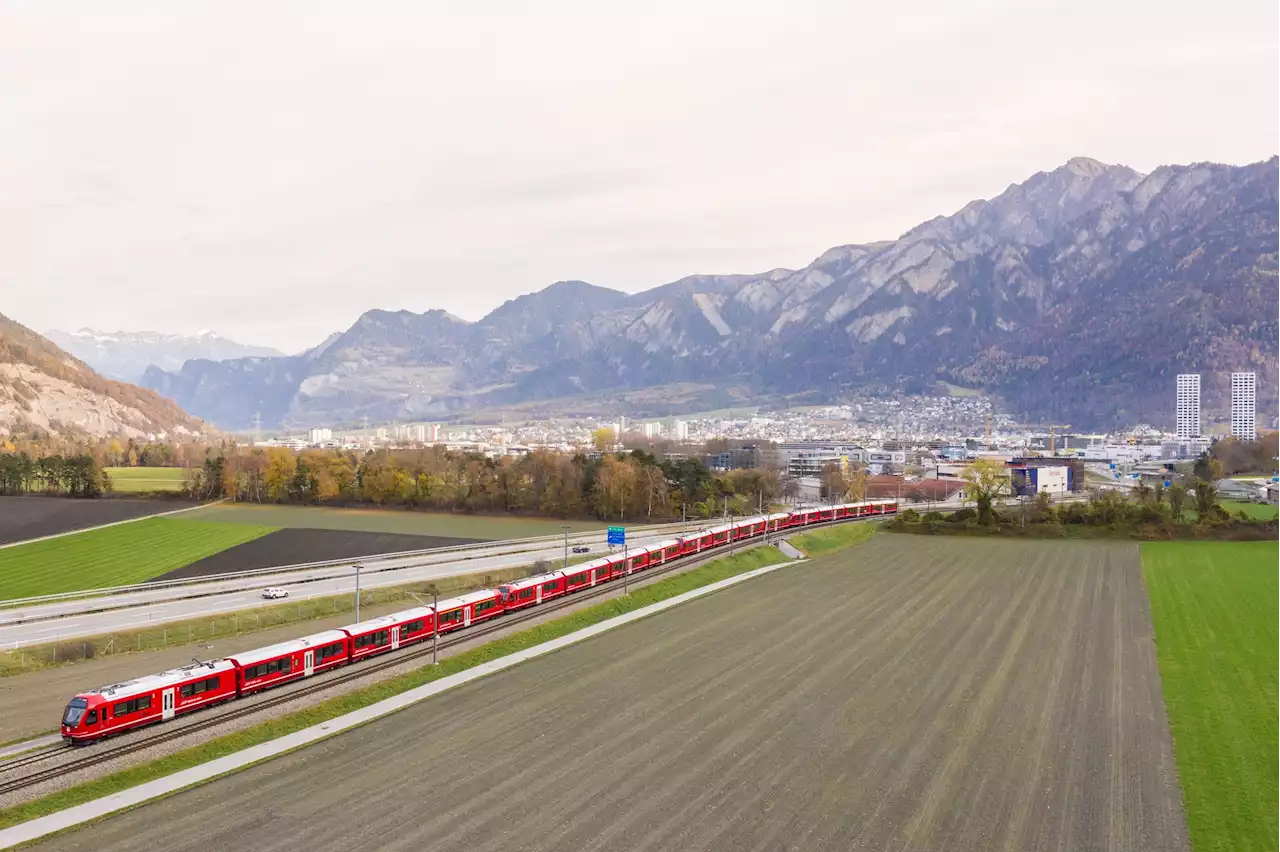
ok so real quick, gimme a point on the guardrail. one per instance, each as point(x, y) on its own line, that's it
point(503, 546)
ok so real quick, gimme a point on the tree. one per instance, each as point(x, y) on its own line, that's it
point(1177, 500)
point(602, 438)
point(985, 480)
point(1206, 500)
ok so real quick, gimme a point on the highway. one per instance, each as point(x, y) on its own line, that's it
point(76, 618)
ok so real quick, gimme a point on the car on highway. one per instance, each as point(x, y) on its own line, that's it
point(582, 548)
point(275, 592)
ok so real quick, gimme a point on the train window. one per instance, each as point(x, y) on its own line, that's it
point(329, 651)
point(75, 710)
point(525, 594)
point(450, 617)
point(413, 625)
point(602, 572)
point(190, 689)
point(124, 708)
point(551, 586)
point(584, 577)
point(92, 718)
point(483, 607)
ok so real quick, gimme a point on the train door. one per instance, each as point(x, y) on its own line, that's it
point(395, 636)
point(538, 596)
point(308, 663)
point(166, 704)
point(466, 616)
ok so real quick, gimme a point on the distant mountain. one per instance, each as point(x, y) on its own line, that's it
point(1075, 296)
point(126, 355)
point(42, 387)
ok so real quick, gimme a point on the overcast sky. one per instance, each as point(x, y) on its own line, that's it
point(270, 170)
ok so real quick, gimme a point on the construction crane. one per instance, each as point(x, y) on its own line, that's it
point(1052, 427)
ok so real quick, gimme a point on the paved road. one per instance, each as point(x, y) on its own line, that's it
point(913, 694)
point(157, 607)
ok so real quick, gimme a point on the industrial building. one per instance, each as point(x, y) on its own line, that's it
point(1036, 475)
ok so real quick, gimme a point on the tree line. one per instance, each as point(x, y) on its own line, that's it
point(621, 486)
point(74, 476)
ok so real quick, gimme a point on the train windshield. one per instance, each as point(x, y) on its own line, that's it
point(75, 712)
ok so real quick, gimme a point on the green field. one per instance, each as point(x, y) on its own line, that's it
point(126, 479)
point(1214, 609)
point(831, 539)
point(483, 527)
point(1261, 511)
point(115, 556)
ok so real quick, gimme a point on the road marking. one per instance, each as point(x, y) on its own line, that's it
point(134, 796)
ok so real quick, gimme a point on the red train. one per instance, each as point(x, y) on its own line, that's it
point(120, 707)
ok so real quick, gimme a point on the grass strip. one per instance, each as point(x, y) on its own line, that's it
point(115, 556)
point(1214, 611)
point(821, 542)
point(720, 569)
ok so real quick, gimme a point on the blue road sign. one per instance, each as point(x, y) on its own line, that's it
point(617, 536)
point(1166, 483)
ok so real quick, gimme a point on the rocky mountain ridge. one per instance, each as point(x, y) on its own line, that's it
point(42, 388)
point(1075, 296)
point(126, 355)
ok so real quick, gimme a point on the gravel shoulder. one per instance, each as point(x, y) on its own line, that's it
point(909, 694)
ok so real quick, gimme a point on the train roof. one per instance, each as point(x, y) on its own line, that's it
point(463, 600)
point(389, 620)
point(150, 683)
point(270, 652)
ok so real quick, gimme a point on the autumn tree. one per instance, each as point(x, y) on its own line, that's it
point(985, 480)
point(1177, 493)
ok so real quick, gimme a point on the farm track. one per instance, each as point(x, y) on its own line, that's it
point(910, 694)
point(181, 727)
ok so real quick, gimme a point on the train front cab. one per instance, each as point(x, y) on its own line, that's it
point(154, 698)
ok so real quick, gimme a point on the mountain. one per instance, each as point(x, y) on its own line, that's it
point(125, 355)
point(1075, 296)
point(42, 387)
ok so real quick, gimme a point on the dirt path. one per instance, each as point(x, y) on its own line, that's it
point(913, 694)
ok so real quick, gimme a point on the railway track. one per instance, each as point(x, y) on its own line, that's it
point(243, 708)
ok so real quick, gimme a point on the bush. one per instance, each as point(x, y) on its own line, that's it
point(911, 516)
point(961, 515)
point(930, 517)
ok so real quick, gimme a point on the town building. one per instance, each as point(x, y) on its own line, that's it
point(316, 437)
point(680, 430)
point(1244, 406)
point(1188, 412)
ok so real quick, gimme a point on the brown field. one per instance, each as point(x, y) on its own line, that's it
point(298, 546)
point(23, 518)
point(910, 694)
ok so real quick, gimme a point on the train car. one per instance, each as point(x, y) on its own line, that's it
point(583, 576)
point(720, 535)
point(532, 590)
point(467, 610)
point(696, 542)
point(777, 521)
point(389, 632)
point(664, 551)
point(273, 665)
point(121, 707)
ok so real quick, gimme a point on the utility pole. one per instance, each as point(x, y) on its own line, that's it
point(435, 616)
point(357, 593)
point(566, 547)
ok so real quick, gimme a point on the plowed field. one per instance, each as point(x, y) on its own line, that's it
point(909, 694)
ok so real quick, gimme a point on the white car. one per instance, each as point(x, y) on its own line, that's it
point(275, 592)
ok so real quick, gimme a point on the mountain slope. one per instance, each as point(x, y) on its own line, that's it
point(1074, 295)
point(43, 387)
point(126, 355)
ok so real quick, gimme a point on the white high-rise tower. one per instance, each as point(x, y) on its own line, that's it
point(1244, 406)
point(1188, 405)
